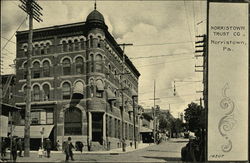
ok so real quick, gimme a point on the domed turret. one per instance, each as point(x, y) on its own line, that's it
point(95, 17)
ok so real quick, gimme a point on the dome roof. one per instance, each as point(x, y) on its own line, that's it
point(95, 16)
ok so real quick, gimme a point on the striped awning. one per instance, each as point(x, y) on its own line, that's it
point(99, 86)
point(78, 88)
point(110, 95)
point(35, 131)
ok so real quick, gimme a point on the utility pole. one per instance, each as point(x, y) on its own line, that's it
point(33, 10)
point(154, 116)
point(122, 89)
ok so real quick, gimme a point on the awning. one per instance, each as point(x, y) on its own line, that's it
point(144, 129)
point(130, 108)
point(134, 93)
point(111, 95)
point(34, 131)
point(99, 86)
point(78, 88)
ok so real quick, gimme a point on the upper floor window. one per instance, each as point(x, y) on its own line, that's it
point(46, 92)
point(36, 49)
point(66, 66)
point(42, 49)
point(98, 60)
point(91, 41)
point(79, 65)
point(36, 93)
point(82, 43)
point(36, 69)
point(46, 69)
point(48, 49)
point(25, 49)
point(70, 45)
point(64, 46)
point(99, 42)
point(66, 90)
point(91, 63)
point(76, 43)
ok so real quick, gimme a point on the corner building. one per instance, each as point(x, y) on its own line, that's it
point(76, 78)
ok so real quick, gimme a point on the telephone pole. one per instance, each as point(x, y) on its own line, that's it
point(33, 10)
point(154, 116)
point(122, 89)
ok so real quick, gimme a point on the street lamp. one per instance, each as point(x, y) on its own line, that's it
point(42, 132)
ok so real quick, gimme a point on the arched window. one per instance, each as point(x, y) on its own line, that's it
point(99, 42)
point(76, 43)
point(92, 88)
point(91, 63)
point(70, 45)
point(36, 49)
point(110, 69)
point(25, 49)
point(66, 90)
point(73, 122)
point(46, 69)
point(66, 66)
point(82, 44)
point(36, 69)
point(91, 41)
point(48, 49)
point(79, 65)
point(98, 62)
point(25, 72)
point(64, 46)
point(46, 92)
point(36, 93)
point(25, 92)
point(42, 49)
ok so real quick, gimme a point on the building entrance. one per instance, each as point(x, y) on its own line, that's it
point(97, 127)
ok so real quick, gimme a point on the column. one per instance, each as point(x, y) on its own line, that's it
point(90, 125)
point(104, 126)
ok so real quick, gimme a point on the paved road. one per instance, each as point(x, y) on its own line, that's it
point(166, 151)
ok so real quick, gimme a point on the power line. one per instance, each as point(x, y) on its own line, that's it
point(163, 55)
point(14, 33)
point(164, 43)
point(164, 62)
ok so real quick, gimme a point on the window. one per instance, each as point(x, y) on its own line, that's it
point(82, 43)
point(35, 117)
point(42, 49)
point(91, 44)
point(64, 46)
point(79, 65)
point(36, 69)
point(48, 49)
point(49, 118)
point(70, 46)
point(66, 91)
point(91, 63)
point(73, 121)
point(36, 49)
point(25, 49)
point(25, 72)
point(99, 42)
point(46, 91)
point(36, 93)
point(98, 60)
point(76, 44)
point(66, 66)
point(46, 69)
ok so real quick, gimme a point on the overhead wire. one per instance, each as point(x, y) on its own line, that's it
point(163, 43)
point(163, 55)
point(15, 32)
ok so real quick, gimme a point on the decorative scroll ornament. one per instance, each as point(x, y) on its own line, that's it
point(227, 122)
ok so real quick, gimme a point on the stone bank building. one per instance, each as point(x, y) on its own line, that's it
point(77, 83)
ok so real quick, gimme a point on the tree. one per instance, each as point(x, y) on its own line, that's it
point(195, 117)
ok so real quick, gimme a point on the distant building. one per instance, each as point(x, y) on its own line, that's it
point(76, 76)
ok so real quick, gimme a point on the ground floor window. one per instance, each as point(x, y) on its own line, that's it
point(42, 116)
point(73, 121)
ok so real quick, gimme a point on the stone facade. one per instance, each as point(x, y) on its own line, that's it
point(76, 78)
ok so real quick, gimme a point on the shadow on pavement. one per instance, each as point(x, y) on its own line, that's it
point(165, 158)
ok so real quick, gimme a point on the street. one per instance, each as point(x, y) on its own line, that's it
point(165, 151)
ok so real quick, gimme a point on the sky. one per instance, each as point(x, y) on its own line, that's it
point(162, 32)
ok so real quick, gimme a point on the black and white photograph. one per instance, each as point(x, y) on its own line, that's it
point(124, 81)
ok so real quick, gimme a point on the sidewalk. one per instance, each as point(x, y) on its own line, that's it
point(59, 156)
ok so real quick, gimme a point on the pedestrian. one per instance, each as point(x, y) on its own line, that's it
point(4, 146)
point(68, 149)
point(40, 152)
point(14, 149)
point(47, 147)
point(20, 147)
point(58, 146)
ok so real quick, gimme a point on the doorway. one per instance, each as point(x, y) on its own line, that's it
point(97, 127)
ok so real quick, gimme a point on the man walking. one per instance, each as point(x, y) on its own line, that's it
point(47, 147)
point(14, 149)
point(20, 147)
point(68, 149)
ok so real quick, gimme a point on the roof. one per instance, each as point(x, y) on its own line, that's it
point(95, 16)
